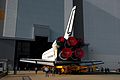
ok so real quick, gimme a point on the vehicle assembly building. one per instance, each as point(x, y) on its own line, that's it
point(28, 28)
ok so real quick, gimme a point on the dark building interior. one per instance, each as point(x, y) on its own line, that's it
point(31, 49)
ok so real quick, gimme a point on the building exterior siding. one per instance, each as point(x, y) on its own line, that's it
point(101, 30)
point(43, 12)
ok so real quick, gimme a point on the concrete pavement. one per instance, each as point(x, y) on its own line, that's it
point(26, 75)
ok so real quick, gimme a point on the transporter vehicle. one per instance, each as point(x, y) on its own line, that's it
point(68, 69)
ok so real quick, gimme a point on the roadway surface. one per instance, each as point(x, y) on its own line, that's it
point(26, 75)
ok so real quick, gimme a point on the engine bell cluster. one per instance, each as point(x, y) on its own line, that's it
point(70, 49)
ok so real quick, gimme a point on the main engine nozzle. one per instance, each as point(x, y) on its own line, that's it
point(61, 41)
point(65, 53)
point(79, 53)
point(72, 41)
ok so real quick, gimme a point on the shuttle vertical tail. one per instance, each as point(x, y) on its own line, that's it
point(68, 30)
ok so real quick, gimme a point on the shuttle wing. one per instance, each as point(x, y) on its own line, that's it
point(37, 61)
point(53, 63)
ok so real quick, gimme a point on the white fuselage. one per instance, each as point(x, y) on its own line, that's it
point(51, 54)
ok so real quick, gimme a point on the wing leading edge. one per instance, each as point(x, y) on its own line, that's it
point(52, 63)
point(38, 61)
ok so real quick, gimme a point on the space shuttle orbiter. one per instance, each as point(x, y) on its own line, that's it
point(65, 49)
